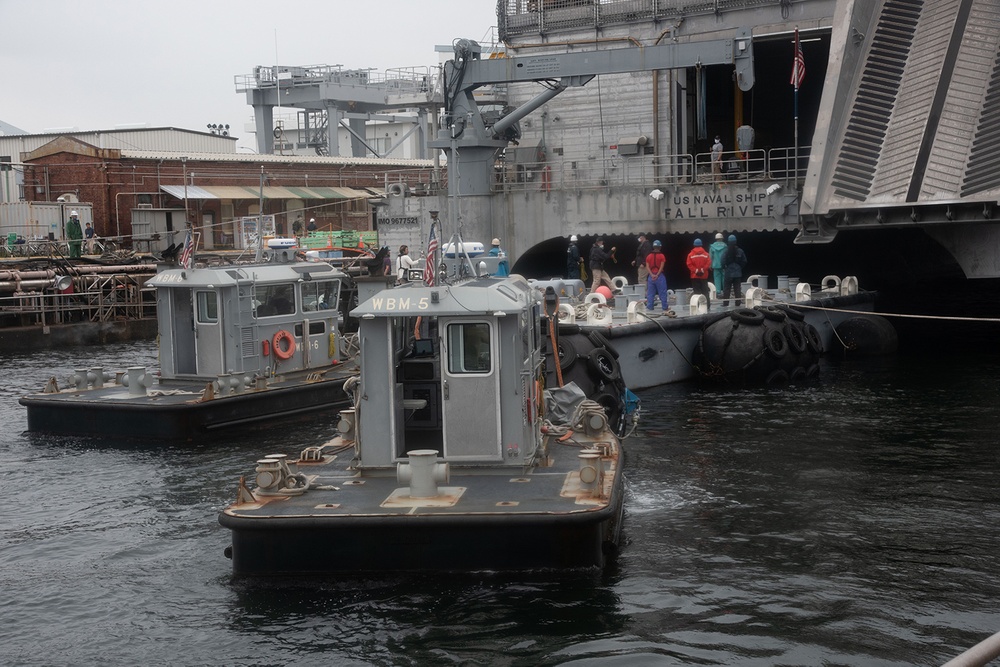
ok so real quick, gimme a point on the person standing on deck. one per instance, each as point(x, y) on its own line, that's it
point(503, 267)
point(715, 252)
point(699, 264)
point(717, 159)
point(656, 281)
point(733, 262)
point(403, 265)
point(597, 258)
point(573, 259)
point(640, 259)
point(74, 233)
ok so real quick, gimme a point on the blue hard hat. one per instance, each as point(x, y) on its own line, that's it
point(732, 238)
point(657, 244)
point(697, 242)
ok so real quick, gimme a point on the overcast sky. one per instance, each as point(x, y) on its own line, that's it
point(96, 64)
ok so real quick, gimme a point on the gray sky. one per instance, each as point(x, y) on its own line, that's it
point(95, 64)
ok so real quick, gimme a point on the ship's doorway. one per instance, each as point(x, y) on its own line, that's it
point(182, 324)
point(470, 390)
point(208, 333)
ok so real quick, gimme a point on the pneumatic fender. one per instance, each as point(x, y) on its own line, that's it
point(866, 335)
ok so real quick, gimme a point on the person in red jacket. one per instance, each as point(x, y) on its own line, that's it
point(699, 263)
point(656, 281)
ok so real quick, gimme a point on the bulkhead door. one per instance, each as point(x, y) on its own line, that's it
point(470, 390)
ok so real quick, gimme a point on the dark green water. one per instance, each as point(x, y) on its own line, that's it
point(851, 521)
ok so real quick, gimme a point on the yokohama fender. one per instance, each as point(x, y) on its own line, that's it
point(732, 348)
point(866, 335)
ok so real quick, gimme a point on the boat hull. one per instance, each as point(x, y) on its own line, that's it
point(494, 519)
point(111, 412)
point(313, 545)
point(662, 350)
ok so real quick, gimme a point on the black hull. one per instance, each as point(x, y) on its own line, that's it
point(292, 537)
point(316, 546)
point(150, 418)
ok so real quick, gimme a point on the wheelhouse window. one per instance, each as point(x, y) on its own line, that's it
point(469, 349)
point(272, 300)
point(208, 307)
point(320, 295)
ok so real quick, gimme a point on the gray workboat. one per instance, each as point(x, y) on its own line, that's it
point(239, 343)
point(453, 455)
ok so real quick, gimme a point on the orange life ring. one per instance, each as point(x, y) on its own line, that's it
point(276, 344)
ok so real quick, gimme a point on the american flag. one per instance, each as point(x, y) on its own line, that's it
point(188, 251)
point(430, 266)
point(798, 64)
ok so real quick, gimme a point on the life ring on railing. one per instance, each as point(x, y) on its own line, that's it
point(283, 337)
point(620, 282)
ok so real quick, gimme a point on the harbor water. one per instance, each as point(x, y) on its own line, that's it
point(849, 521)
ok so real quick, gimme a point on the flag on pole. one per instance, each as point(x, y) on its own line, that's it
point(430, 266)
point(188, 251)
point(798, 64)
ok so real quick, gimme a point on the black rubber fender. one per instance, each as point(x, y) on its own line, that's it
point(599, 340)
point(747, 316)
point(796, 339)
point(773, 313)
point(604, 365)
point(867, 335)
point(567, 353)
point(778, 376)
point(798, 373)
point(792, 312)
point(612, 404)
point(813, 340)
point(775, 343)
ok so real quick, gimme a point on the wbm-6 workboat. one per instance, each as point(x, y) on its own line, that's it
point(452, 456)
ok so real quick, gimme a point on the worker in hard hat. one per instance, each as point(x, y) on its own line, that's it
point(573, 263)
point(503, 268)
point(74, 232)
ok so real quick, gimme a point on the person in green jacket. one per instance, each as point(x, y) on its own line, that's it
point(75, 235)
point(715, 251)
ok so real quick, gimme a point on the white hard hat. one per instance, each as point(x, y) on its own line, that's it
point(495, 241)
point(573, 238)
point(73, 214)
point(718, 237)
point(312, 219)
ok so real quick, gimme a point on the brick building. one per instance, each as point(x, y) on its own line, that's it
point(212, 190)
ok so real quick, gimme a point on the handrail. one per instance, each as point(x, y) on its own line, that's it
point(978, 655)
